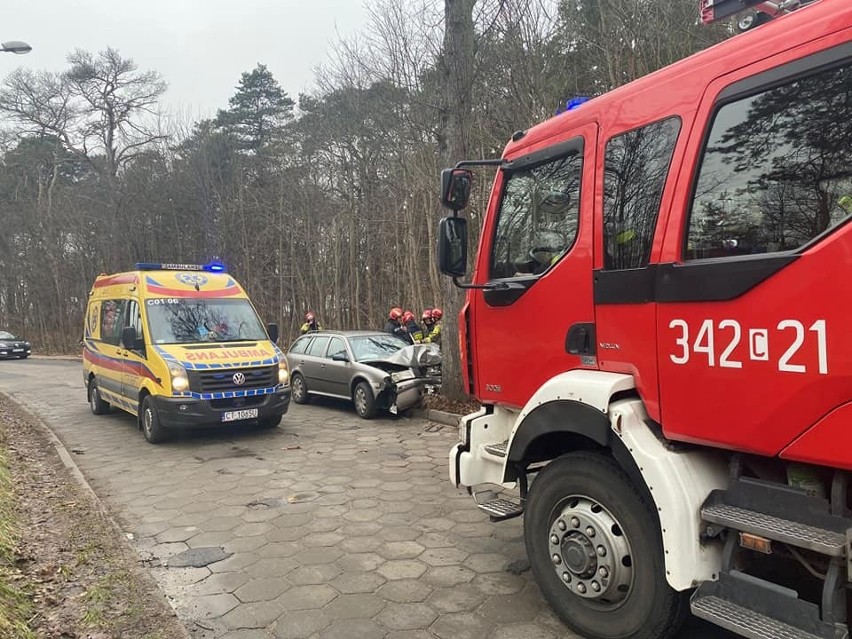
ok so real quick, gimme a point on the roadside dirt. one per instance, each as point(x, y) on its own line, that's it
point(83, 580)
point(439, 402)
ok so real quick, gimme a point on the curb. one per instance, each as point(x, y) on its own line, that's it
point(450, 419)
point(80, 478)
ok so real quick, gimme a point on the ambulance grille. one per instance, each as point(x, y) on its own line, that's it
point(223, 379)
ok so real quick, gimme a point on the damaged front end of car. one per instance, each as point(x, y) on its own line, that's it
point(410, 374)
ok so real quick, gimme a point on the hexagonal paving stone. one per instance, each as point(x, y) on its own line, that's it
point(211, 606)
point(278, 549)
point(262, 589)
point(408, 616)
point(487, 562)
point(402, 569)
point(524, 631)
point(318, 556)
point(351, 629)
point(462, 625)
point(400, 549)
point(235, 562)
point(443, 556)
point(245, 544)
point(218, 524)
point(409, 634)
point(250, 530)
point(253, 615)
point(461, 598)
point(364, 561)
point(405, 591)
point(444, 576)
point(311, 575)
point(322, 540)
point(361, 606)
point(359, 544)
point(300, 624)
point(358, 582)
point(509, 608)
point(308, 597)
point(272, 567)
point(498, 583)
point(399, 533)
point(220, 583)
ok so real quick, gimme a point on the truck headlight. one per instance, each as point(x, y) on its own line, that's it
point(180, 382)
point(283, 373)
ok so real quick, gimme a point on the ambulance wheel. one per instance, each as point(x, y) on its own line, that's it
point(300, 389)
point(365, 403)
point(152, 429)
point(594, 546)
point(96, 404)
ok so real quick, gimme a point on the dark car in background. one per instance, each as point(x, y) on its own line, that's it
point(12, 347)
point(377, 371)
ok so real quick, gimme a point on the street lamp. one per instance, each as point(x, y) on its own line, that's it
point(15, 46)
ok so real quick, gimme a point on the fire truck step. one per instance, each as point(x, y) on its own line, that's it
point(499, 508)
point(758, 609)
point(498, 450)
point(775, 528)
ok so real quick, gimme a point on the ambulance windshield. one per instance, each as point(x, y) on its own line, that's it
point(178, 321)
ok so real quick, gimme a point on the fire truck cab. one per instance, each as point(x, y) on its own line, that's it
point(657, 328)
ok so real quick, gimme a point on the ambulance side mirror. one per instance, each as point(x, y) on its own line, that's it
point(272, 331)
point(128, 338)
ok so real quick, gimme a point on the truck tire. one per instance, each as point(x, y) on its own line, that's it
point(97, 405)
point(594, 546)
point(152, 429)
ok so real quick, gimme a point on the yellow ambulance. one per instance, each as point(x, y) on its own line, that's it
point(181, 346)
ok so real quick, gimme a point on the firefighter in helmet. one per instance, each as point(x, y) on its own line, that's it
point(432, 329)
point(311, 325)
point(413, 332)
point(394, 324)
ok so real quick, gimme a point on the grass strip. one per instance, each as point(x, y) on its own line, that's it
point(15, 607)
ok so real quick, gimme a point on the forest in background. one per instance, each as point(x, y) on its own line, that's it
point(325, 201)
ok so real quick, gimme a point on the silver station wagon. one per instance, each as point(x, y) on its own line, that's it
point(375, 370)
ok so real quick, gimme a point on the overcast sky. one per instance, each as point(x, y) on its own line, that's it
point(200, 46)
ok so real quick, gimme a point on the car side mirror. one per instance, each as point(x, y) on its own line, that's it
point(272, 331)
point(340, 357)
point(128, 338)
point(452, 246)
point(455, 188)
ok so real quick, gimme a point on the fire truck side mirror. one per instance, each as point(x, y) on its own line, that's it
point(455, 188)
point(452, 246)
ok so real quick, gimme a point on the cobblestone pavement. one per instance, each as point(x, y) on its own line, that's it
point(329, 526)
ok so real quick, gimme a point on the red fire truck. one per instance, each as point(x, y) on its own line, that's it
point(659, 329)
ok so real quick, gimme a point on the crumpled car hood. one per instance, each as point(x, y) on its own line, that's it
point(413, 356)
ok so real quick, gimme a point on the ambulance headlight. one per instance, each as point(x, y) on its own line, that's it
point(283, 373)
point(180, 382)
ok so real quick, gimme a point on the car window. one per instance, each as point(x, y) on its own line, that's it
point(300, 346)
point(370, 347)
point(112, 320)
point(5, 335)
point(336, 346)
point(317, 347)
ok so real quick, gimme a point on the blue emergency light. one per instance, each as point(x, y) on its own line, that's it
point(572, 104)
point(213, 266)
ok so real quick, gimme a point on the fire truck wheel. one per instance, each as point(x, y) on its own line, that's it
point(300, 389)
point(151, 428)
point(595, 549)
point(98, 405)
point(365, 403)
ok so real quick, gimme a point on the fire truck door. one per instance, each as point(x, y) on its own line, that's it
point(539, 249)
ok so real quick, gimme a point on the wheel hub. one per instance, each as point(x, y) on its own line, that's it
point(589, 551)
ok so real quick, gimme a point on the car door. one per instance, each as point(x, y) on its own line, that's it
point(313, 367)
point(135, 360)
point(336, 372)
point(110, 357)
point(540, 257)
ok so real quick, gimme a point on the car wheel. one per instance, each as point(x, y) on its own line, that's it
point(300, 389)
point(595, 550)
point(96, 404)
point(270, 422)
point(365, 403)
point(23, 356)
point(152, 429)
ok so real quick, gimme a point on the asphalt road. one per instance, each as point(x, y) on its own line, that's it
point(329, 526)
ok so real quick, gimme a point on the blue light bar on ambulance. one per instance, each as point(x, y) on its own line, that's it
point(215, 266)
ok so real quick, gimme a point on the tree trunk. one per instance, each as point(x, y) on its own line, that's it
point(454, 145)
